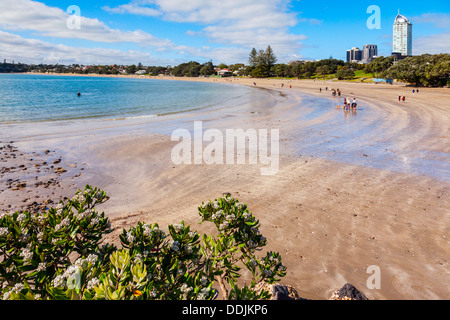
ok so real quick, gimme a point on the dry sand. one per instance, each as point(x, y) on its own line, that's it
point(331, 214)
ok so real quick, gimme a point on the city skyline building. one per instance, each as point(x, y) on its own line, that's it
point(402, 36)
point(365, 55)
point(354, 55)
point(369, 52)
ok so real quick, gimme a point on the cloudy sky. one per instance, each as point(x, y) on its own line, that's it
point(168, 32)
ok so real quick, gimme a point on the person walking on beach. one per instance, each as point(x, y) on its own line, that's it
point(403, 98)
point(399, 98)
point(354, 104)
point(346, 103)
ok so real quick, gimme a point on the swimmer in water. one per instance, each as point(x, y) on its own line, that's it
point(79, 94)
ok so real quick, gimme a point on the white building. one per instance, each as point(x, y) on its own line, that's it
point(402, 43)
point(224, 72)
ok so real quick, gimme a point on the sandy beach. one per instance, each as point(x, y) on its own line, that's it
point(353, 189)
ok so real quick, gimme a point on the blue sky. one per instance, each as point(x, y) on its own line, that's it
point(168, 32)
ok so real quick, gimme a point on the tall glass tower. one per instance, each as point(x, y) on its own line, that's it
point(402, 43)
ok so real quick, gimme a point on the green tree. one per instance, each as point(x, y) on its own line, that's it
point(427, 70)
point(379, 65)
point(280, 70)
point(323, 70)
point(288, 71)
point(308, 69)
point(410, 70)
point(297, 70)
point(332, 64)
point(262, 62)
point(269, 58)
point(131, 69)
point(258, 72)
point(345, 73)
point(252, 59)
point(207, 69)
point(192, 69)
point(438, 71)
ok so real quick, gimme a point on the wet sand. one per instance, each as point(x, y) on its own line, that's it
point(351, 191)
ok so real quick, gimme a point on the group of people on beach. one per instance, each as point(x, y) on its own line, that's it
point(334, 92)
point(403, 97)
point(349, 104)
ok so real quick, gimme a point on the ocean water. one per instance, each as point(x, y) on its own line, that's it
point(36, 98)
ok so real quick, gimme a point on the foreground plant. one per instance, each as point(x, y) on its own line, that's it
point(237, 242)
point(59, 254)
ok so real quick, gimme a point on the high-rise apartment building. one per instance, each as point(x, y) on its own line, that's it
point(402, 42)
point(369, 52)
point(354, 55)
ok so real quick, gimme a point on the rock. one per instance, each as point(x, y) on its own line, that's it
point(21, 185)
point(60, 170)
point(279, 291)
point(348, 292)
point(281, 296)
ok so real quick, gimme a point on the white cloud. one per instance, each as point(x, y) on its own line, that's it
point(52, 22)
point(246, 24)
point(235, 26)
point(434, 43)
point(439, 20)
point(260, 13)
point(14, 47)
point(134, 8)
point(194, 33)
point(312, 21)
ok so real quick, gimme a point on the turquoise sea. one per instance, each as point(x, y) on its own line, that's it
point(35, 98)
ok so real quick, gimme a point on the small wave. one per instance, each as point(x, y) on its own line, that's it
point(136, 117)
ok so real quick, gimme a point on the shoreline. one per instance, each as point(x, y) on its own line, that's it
point(330, 220)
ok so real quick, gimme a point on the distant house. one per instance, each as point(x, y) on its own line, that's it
point(141, 72)
point(224, 72)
